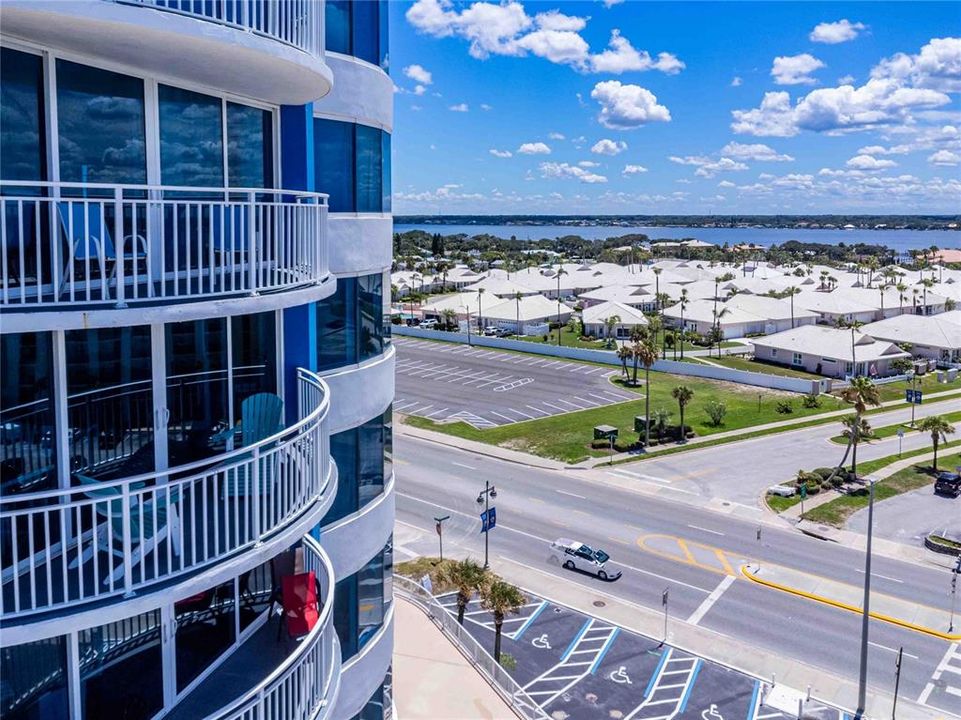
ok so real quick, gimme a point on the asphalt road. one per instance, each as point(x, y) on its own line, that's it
point(585, 667)
point(641, 532)
point(486, 388)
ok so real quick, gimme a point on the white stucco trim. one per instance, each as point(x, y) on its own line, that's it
point(353, 540)
point(362, 674)
point(364, 93)
point(359, 243)
point(172, 45)
point(361, 391)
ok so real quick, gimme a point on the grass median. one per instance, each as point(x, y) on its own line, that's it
point(837, 511)
point(891, 430)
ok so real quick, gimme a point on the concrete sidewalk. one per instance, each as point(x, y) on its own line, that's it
point(432, 680)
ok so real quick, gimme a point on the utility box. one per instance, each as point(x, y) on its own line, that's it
point(640, 424)
point(605, 432)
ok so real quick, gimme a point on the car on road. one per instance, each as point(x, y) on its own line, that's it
point(493, 331)
point(575, 555)
point(948, 483)
point(431, 323)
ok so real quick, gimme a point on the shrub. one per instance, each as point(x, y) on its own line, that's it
point(824, 472)
point(508, 662)
point(716, 411)
point(812, 400)
point(784, 407)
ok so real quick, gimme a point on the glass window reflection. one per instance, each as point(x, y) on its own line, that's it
point(121, 669)
point(337, 26)
point(334, 163)
point(250, 161)
point(370, 302)
point(364, 457)
point(369, 169)
point(101, 125)
point(254, 355)
point(191, 138)
point(34, 680)
point(336, 327)
point(22, 144)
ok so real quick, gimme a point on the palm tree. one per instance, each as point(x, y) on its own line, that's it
point(683, 303)
point(467, 576)
point(927, 283)
point(560, 271)
point(939, 429)
point(518, 296)
point(501, 599)
point(716, 335)
point(442, 268)
point(610, 323)
point(646, 351)
point(902, 289)
point(657, 287)
point(480, 310)
point(860, 393)
point(662, 416)
point(855, 430)
point(624, 353)
point(450, 317)
point(683, 395)
point(791, 292)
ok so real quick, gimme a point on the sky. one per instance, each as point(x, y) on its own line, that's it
point(619, 107)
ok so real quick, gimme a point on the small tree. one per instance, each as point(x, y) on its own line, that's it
point(683, 395)
point(662, 418)
point(610, 323)
point(467, 576)
point(856, 429)
point(939, 429)
point(575, 326)
point(624, 353)
point(501, 599)
point(716, 411)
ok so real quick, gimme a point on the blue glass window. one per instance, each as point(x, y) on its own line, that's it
point(364, 457)
point(254, 360)
point(366, 31)
point(337, 26)
point(370, 301)
point(191, 138)
point(22, 154)
point(369, 169)
point(34, 680)
point(101, 125)
point(337, 327)
point(250, 161)
point(361, 601)
point(386, 171)
point(334, 163)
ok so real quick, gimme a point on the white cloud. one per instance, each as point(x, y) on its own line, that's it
point(589, 164)
point(501, 153)
point(846, 80)
point(795, 69)
point(869, 162)
point(567, 171)
point(945, 158)
point(736, 81)
point(416, 108)
point(419, 89)
point(534, 148)
point(708, 167)
point(612, 3)
point(460, 107)
point(726, 184)
point(881, 150)
point(900, 87)
point(627, 107)
point(418, 74)
point(555, 136)
point(833, 33)
point(609, 147)
point(507, 29)
point(633, 170)
point(485, 107)
point(620, 56)
point(757, 151)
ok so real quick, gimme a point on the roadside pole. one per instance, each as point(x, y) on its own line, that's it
point(440, 533)
point(900, 438)
point(897, 682)
point(866, 611)
point(664, 599)
point(954, 590)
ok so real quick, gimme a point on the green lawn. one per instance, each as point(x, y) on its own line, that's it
point(890, 430)
point(837, 511)
point(567, 437)
point(742, 363)
point(928, 384)
point(568, 339)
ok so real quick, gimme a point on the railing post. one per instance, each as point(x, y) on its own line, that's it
point(126, 509)
point(118, 239)
point(255, 492)
point(251, 243)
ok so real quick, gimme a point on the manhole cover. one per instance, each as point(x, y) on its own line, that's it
point(599, 603)
point(726, 504)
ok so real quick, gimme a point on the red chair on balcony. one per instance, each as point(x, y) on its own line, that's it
point(301, 607)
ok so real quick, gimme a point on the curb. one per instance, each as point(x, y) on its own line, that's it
point(850, 608)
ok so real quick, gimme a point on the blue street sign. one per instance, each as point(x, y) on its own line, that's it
point(917, 397)
point(488, 520)
point(913, 396)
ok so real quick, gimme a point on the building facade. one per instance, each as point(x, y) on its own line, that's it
point(196, 373)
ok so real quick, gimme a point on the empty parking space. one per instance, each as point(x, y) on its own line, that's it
point(488, 388)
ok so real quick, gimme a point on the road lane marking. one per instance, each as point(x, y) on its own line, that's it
point(890, 649)
point(942, 666)
point(681, 550)
point(879, 575)
point(704, 529)
point(709, 601)
point(469, 467)
point(564, 492)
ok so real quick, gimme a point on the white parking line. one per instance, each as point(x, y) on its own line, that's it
point(593, 370)
point(522, 414)
point(538, 410)
point(559, 409)
point(587, 402)
point(568, 402)
point(436, 412)
point(510, 421)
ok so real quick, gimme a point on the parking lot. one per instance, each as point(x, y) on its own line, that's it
point(487, 388)
point(578, 667)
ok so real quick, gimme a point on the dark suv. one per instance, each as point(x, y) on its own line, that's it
point(948, 483)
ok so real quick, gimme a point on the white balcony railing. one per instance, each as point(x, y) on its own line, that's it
point(101, 539)
point(299, 23)
point(305, 686)
point(87, 244)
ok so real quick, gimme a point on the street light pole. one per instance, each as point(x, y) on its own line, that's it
point(866, 610)
point(484, 496)
point(954, 589)
point(440, 533)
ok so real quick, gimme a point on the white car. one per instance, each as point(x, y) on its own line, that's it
point(492, 331)
point(575, 555)
point(429, 323)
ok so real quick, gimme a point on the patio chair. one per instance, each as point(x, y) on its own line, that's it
point(90, 238)
point(301, 605)
point(261, 416)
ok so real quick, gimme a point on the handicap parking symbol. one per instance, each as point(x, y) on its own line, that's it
point(620, 676)
point(711, 713)
point(541, 642)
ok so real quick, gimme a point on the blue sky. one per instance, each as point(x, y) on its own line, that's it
point(641, 107)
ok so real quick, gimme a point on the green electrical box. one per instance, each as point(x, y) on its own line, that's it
point(605, 432)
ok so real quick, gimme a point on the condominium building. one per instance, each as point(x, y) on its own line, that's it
point(196, 373)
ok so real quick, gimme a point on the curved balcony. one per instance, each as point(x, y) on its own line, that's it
point(265, 49)
point(101, 539)
point(83, 247)
point(353, 540)
point(365, 671)
point(369, 385)
point(306, 685)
